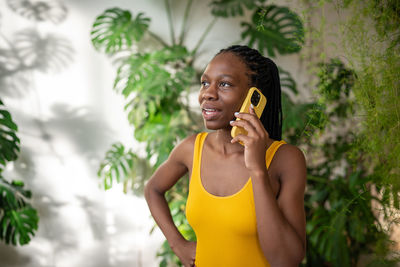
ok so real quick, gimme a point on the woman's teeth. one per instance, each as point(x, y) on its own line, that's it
point(209, 110)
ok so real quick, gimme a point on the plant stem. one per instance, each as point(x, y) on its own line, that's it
point(207, 30)
point(185, 17)
point(171, 26)
point(156, 37)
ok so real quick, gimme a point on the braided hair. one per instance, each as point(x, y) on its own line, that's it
point(265, 76)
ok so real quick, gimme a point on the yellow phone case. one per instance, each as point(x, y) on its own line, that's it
point(245, 108)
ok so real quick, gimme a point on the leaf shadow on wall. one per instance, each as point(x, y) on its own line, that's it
point(30, 51)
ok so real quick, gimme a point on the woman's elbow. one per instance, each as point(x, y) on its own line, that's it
point(148, 190)
point(151, 190)
point(287, 259)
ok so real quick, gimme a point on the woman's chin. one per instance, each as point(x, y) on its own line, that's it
point(214, 125)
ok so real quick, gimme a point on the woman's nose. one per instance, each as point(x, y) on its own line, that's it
point(211, 93)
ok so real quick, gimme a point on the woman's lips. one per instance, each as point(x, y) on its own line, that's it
point(210, 113)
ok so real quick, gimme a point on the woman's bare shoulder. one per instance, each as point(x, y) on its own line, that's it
point(183, 151)
point(289, 158)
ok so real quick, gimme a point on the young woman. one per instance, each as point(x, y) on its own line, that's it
point(245, 202)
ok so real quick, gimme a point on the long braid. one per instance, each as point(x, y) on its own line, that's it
point(265, 76)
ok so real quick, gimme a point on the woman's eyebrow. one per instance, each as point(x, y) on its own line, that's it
point(226, 76)
point(205, 76)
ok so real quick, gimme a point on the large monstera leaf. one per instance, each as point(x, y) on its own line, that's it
point(44, 53)
point(153, 82)
point(116, 166)
point(18, 226)
point(273, 29)
point(42, 10)
point(121, 165)
point(18, 220)
point(155, 73)
point(116, 29)
point(9, 142)
point(226, 8)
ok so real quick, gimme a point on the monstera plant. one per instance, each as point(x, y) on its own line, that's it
point(157, 76)
point(25, 52)
point(156, 82)
point(18, 219)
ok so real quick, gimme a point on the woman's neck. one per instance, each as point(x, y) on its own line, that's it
point(223, 142)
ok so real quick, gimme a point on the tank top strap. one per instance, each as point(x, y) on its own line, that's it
point(198, 145)
point(271, 151)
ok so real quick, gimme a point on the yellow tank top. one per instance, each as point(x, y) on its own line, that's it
point(225, 226)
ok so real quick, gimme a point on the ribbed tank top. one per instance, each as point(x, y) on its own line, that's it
point(225, 226)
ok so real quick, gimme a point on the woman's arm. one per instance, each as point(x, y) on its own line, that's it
point(161, 181)
point(280, 222)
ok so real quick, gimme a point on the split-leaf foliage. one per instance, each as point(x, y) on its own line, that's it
point(18, 219)
point(342, 195)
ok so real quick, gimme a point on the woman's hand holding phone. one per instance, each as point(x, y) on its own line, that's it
point(186, 252)
point(248, 130)
point(257, 101)
point(255, 142)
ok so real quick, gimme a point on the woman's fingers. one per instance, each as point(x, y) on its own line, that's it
point(241, 138)
point(244, 124)
point(186, 252)
point(251, 110)
point(249, 120)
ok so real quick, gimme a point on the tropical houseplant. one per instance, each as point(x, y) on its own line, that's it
point(18, 219)
point(157, 82)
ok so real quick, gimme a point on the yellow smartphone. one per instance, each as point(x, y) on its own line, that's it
point(255, 97)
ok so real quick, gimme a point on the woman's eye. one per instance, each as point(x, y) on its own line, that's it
point(224, 84)
point(204, 83)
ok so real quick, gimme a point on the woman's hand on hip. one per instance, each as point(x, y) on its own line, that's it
point(186, 252)
point(255, 142)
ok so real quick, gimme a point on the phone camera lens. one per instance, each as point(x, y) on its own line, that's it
point(255, 98)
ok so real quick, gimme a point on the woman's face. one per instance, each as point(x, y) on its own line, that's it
point(224, 85)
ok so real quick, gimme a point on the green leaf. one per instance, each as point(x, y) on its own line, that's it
point(116, 29)
point(274, 28)
point(287, 81)
point(12, 195)
point(161, 132)
point(18, 219)
point(335, 81)
point(116, 166)
point(227, 8)
point(154, 82)
point(294, 115)
point(18, 226)
point(123, 166)
point(9, 142)
point(162, 72)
